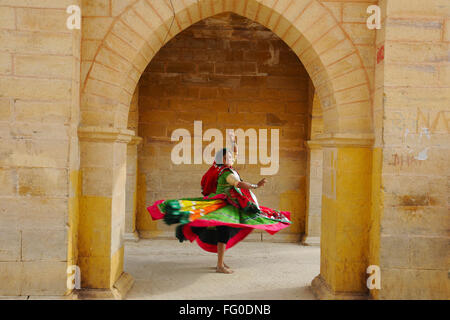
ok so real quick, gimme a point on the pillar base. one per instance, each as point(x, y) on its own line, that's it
point(118, 291)
point(311, 241)
point(131, 236)
point(322, 291)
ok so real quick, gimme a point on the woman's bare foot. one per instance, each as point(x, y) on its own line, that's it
point(224, 270)
point(225, 265)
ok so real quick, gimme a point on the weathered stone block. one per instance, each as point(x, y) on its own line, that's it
point(335, 8)
point(412, 75)
point(416, 52)
point(39, 213)
point(319, 28)
point(5, 63)
point(444, 74)
point(41, 153)
point(360, 93)
point(44, 278)
point(413, 284)
point(430, 253)
point(61, 4)
point(417, 220)
point(11, 278)
point(42, 182)
point(43, 112)
point(446, 30)
point(96, 27)
point(417, 8)
point(359, 33)
point(335, 53)
point(39, 89)
point(31, 42)
point(10, 244)
point(355, 12)
point(96, 8)
point(7, 18)
point(44, 244)
point(354, 78)
point(419, 30)
point(313, 12)
point(395, 251)
point(8, 182)
point(117, 6)
point(33, 19)
point(55, 66)
point(5, 109)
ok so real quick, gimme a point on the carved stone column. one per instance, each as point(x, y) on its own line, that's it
point(346, 205)
point(102, 209)
point(314, 194)
point(131, 189)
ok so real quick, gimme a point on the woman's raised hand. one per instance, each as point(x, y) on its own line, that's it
point(262, 182)
point(232, 136)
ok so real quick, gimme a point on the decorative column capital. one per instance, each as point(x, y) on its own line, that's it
point(359, 140)
point(313, 144)
point(135, 140)
point(105, 134)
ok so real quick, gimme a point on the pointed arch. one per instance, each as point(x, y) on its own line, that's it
point(306, 26)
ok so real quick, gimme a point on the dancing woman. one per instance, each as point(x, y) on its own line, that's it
point(226, 214)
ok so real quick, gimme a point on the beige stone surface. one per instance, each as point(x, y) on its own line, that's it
point(414, 223)
point(46, 278)
point(167, 269)
point(10, 244)
point(43, 244)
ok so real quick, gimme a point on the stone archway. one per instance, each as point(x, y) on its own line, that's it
point(330, 57)
point(341, 83)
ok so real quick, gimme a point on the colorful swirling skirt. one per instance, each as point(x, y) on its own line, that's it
point(198, 218)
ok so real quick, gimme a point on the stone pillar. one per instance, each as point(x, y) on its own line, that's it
point(346, 205)
point(131, 189)
point(314, 194)
point(102, 206)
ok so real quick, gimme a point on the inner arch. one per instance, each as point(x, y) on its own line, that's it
point(228, 72)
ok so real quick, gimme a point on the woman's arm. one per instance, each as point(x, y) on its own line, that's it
point(231, 179)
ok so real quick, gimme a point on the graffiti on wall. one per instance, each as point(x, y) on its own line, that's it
point(417, 130)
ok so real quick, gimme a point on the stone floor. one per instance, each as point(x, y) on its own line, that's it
point(167, 269)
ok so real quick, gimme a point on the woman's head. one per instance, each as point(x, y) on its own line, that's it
point(224, 156)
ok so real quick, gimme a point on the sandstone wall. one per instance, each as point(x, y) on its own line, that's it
point(39, 158)
point(412, 149)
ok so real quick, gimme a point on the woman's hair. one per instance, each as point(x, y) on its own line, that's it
point(219, 156)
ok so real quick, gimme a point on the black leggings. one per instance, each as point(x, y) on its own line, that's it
point(223, 234)
point(214, 235)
